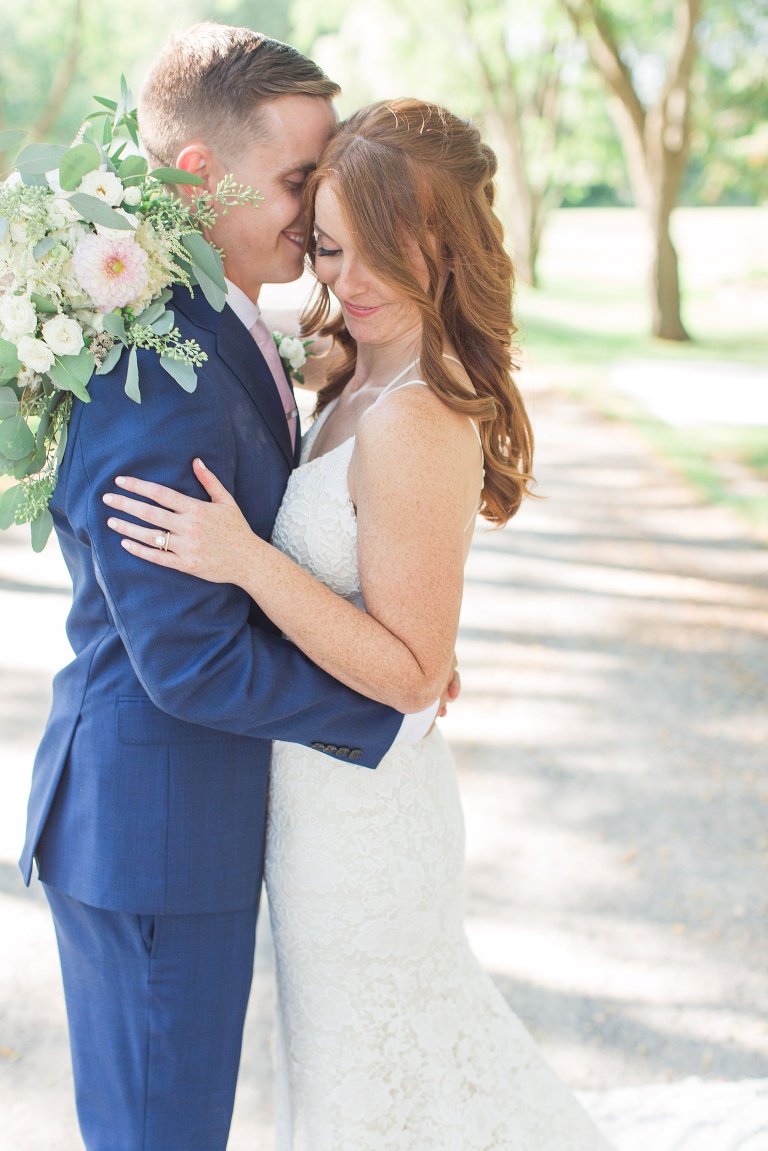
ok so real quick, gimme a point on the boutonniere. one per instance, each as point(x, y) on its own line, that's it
point(293, 352)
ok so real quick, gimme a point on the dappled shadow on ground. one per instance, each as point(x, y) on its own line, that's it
point(611, 742)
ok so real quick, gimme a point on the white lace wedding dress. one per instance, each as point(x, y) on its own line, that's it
point(389, 1037)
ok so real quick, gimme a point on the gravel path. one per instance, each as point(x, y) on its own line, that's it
point(611, 740)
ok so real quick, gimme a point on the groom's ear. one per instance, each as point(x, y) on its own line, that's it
point(198, 161)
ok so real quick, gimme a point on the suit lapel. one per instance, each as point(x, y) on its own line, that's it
point(241, 354)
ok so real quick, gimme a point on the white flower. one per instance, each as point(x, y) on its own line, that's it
point(34, 354)
point(18, 232)
point(105, 185)
point(63, 336)
point(28, 379)
point(62, 214)
point(18, 315)
point(132, 196)
point(292, 350)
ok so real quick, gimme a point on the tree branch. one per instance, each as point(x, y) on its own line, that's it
point(595, 30)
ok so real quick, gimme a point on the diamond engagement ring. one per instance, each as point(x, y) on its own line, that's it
point(163, 540)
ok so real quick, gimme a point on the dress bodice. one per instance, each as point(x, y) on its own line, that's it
point(316, 525)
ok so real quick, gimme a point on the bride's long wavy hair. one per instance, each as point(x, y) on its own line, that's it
point(408, 172)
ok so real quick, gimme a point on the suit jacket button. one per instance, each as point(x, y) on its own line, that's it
point(356, 753)
point(342, 752)
point(331, 748)
point(317, 746)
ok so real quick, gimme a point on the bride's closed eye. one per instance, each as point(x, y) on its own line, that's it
point(324, 249)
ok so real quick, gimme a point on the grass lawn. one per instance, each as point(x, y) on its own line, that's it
point(591, 313)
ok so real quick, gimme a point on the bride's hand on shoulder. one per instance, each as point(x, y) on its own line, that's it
point(209, 540)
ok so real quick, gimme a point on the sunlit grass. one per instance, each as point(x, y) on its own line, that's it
point(591, 312)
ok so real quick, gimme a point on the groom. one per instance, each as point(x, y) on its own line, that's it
point(147, 810)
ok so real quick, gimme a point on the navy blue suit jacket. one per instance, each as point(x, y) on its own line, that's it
point(149, 787)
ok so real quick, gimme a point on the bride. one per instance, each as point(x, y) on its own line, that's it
point(389, 1036)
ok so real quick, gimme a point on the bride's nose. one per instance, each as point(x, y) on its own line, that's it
point(352, 278)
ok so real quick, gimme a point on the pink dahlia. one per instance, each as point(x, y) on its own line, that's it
point(112, 270)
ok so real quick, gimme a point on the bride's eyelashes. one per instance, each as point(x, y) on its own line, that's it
point(320, 250)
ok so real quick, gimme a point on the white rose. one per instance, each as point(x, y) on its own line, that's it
point(132, 196)
point(35, 355)
point(63, 336)
point(292, 350)
point(19, 232)
point(105, 185)
point(61, 209)
point(18, 315)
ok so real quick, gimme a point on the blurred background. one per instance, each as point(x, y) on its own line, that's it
point(633, 150)
point(613, 727)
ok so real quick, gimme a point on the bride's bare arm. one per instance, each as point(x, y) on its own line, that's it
point(412, 466)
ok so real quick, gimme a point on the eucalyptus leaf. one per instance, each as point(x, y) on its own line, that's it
point(43, 247)
point(41, 529)
point(62, 447)
point(9, 502)
point(37, 159)
point(212, 292)
point(28, 466)
point(183, 373)
point(118, 153)
point(9, 139)
point(115, 325)
point(9, 404)
point(133, 166)
point(106, 131)
point(111, 360)
point(151, 313)
point(72, 373)
point(16, 440)
point(176, 176)
point(6, 466)
point(76, 163)
point(98, 212)
point(8, 353)
point(163, 325)
point(43, 304)
point(42, 431)
point(205, 258)
point(132, 378)
point(111, 104)
point(34, 179)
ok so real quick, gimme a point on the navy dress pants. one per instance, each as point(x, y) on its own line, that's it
point(156, 1005)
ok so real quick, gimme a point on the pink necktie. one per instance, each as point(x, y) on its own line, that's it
point(263, 338)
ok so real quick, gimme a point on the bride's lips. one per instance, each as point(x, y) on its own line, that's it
point(295, 238)
point(359, 312)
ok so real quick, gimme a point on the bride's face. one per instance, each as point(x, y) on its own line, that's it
point(374, 312)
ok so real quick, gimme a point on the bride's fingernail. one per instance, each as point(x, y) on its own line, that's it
point(108, 499)
point(120, 480)
point(202, 465)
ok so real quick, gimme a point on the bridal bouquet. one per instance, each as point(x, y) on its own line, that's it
point(91, 242)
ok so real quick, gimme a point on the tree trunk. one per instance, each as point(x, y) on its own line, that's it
point(665, 282)
point(655, 143)
point(503, 129)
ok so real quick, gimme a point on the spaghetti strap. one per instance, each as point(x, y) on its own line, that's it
point(395, 386)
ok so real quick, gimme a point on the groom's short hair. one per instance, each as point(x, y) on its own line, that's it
point(210, 82)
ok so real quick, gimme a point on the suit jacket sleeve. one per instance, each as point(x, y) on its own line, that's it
point(190, 642)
